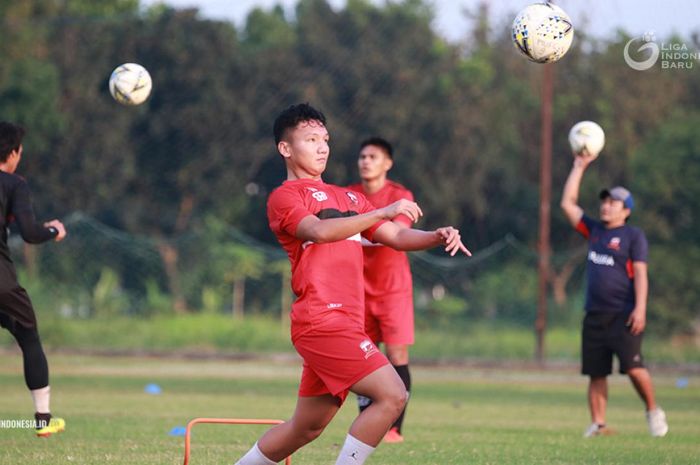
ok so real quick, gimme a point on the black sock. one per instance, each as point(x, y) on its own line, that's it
point(363, 402)
point(42, 419)
point(405, 376)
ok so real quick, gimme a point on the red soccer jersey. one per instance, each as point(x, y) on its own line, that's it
point(387, 271)
point(326, 278)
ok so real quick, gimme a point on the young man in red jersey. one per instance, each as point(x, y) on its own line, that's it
point(319, 225)
point(388, 281)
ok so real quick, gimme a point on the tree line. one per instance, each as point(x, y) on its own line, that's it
point(464, 117)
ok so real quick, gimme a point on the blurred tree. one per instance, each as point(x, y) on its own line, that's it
point(665, 173)
point(462, 116)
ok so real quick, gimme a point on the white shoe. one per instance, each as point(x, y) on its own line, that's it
point(596, 430)
point(658, 427)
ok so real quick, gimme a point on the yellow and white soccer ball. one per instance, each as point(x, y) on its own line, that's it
point(543, 32)
point(587, 135)
point(130, 84)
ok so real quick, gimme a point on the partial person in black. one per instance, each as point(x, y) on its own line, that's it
point(16, 311)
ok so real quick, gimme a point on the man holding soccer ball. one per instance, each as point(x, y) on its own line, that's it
point(616, 297)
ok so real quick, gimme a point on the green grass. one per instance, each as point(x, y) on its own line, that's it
point(213, 333)
point(456, 415)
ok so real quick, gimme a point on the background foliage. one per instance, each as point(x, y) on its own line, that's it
point(173, 192)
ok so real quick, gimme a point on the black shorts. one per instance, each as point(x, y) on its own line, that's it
point(603, 335)
point(16, 307)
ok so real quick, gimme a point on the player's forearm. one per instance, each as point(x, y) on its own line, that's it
point(572, 186)
point(31, 231)
point(641, 292)
point(569, 198)
point(407, 239)
point(337, 229)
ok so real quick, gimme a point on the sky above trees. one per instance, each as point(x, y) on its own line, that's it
point(600, 17)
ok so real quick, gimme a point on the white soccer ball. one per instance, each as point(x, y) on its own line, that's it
point(543, 32)
point(130, 84)
point(587, 135)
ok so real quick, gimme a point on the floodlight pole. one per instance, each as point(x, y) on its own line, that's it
point(543, 245)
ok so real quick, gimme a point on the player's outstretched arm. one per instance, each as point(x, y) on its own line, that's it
point(321, 231)
point(415, 239)
point(569, 199)
point(30, 229)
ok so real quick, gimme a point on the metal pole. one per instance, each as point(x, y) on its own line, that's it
point(543, 246)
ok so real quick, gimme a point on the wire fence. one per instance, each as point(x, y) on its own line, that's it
point(98, 271)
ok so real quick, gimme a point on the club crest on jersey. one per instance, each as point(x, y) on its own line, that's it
point(319, 196)
point(368, 348)
point(352, 197)
point(614, 243)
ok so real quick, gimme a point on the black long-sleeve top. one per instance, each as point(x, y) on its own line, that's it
point(16, 205)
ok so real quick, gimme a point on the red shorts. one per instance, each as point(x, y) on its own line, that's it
point(389, 319)
point(335, 359)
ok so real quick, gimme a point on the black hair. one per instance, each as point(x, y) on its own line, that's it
point(379, 142)
point(294, 115)
point(10, 139)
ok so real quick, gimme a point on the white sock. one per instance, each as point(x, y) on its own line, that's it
point(255, 457)
point(41, 399)
point(354, 452)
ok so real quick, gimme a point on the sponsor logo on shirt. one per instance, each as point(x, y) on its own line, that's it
point(368, 348)
point(319, 196)
point(352, 197)
point(601, 259)
point(614, 243)
point(334, 305)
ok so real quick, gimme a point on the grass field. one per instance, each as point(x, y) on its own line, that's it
point(218, 333)
point(457, 415)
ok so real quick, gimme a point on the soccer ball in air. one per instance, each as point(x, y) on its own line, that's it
point(543, 32)
point(130, 84)
point(587, 135)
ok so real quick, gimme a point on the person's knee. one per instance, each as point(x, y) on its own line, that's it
point(306, 432)
point(309, 433)
point(27, 337)
point(637, 372)
point(396, 399)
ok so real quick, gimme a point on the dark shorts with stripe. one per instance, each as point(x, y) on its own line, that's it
point(16, 307)
point(603, 335)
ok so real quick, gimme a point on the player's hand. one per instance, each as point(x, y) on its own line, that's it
point(583, 158)
point(59, 227)
point(402, 207)
point(452, 240)
point(637, 321)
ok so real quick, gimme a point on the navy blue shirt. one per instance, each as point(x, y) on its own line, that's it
point(609, 270)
